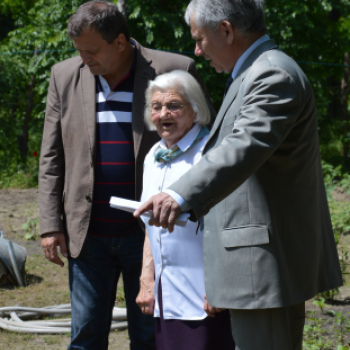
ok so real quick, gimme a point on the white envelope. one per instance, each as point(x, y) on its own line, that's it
point(131, 206)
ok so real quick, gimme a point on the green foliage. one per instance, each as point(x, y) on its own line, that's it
point(13, 175)
point(160, 24)
point(326, 334)
point(41, 26)
point(31, 227)
point(320, 304)
point(305, 29)
point(340, 215)
point(316, 31)
point(340, 211)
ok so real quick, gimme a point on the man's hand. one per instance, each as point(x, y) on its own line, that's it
point(145, 298)
point(50, 241)
point(210, 310)
point(164, 208)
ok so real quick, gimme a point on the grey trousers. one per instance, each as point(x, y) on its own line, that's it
point(269, 329)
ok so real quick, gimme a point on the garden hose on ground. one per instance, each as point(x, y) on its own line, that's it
point(12, 258)
point(12, 319)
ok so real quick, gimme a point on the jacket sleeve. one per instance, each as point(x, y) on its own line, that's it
point(271, 102)
point(52, 165)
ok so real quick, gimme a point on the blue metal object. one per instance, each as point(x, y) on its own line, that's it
point(13, 257)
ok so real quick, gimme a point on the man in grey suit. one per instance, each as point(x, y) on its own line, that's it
point(93, 146)
point(268, 244)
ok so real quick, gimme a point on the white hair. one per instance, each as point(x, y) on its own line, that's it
point(246, 15)
point(185, 85)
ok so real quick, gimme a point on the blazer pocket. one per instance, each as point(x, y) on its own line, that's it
point(245, 236)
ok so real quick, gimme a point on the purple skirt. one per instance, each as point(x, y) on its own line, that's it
point(207, 334)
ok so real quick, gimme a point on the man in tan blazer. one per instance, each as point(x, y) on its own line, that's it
point(268, 240)
point(93, 146)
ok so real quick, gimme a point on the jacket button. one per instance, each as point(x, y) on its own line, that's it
point(88, 198)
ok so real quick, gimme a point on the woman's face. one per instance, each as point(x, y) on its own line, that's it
point(172, 115)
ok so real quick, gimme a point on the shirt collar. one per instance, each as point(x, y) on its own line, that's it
point(246, 53)
point(187, 140)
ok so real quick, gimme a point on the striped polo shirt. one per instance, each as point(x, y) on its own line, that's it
point(115, 159)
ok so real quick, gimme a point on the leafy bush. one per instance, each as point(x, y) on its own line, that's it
point(340, 215)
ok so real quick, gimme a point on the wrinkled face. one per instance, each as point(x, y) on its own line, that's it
point(171, 126)
point(212, 46)
point(96, 53)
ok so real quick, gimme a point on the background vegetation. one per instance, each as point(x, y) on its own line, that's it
point(33, 38)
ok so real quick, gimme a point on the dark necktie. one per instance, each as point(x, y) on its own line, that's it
point(228, 84)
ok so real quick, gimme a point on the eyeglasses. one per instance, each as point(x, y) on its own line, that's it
point(172, 107)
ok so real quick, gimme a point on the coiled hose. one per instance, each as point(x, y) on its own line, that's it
point(12, 319)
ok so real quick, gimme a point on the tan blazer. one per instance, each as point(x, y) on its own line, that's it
point(66, 178)
point(268, 239)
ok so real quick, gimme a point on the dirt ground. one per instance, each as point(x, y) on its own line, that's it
point(47, 284)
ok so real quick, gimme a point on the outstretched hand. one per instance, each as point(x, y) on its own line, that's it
point(164, 209)
point(50, 242)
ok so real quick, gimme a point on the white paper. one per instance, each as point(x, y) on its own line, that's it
point(131, 206)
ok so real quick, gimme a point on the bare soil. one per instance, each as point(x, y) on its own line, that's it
point(47, 284)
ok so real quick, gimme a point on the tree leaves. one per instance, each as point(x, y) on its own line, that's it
point(307, 30)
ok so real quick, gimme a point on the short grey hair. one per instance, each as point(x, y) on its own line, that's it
point(102, 16)
point(246, 15)
point(185, 85)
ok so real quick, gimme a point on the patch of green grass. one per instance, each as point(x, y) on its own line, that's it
point(52, 339)
point(322, 332)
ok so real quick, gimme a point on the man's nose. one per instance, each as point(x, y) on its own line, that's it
point(197, 50)
point(85, 57)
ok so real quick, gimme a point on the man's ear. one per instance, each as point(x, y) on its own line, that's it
point(228, 31)
point(120, 42)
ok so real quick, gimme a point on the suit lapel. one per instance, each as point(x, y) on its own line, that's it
point(143, 74)
point(229, 98)
point(88, 96)
point(234, 88)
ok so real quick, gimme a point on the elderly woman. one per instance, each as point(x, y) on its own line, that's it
point(177, 109)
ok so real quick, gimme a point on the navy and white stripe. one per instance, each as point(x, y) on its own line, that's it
point(115, 159)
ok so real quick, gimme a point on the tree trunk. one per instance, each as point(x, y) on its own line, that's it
point(344, 108)
point(23, 138)
point(122, 7)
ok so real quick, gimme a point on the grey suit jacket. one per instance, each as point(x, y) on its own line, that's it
point(66, 178)
point(268, 235)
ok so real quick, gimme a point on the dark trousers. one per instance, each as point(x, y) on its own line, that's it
point(207, 334)
point(269, 329)
point(93, 278)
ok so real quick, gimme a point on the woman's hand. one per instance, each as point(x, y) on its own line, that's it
point(145, 298)
point(210, 310)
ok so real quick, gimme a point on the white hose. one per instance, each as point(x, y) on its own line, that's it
point(12, 319)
